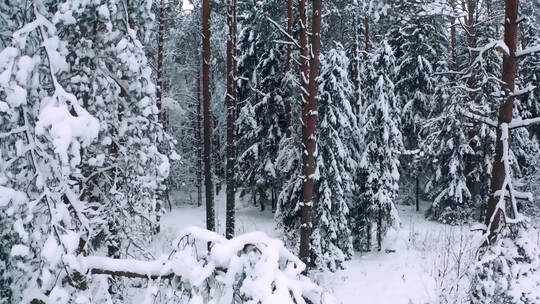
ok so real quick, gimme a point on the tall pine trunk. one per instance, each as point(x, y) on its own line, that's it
point(305, 220)
point(366, 33)
point(504, 116)
point(309, 119)
point(471, 162)
point(198, 136)
point(355, 77)
point(453, 37)
point(231, 106)
point(288, 61)
point(207, 120)
point(159, 80)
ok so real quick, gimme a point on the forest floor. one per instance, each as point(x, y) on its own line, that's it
point(419, 262)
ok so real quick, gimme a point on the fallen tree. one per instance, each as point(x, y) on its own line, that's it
point(251, 268)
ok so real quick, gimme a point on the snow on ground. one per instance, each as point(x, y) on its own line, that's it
point(418, 262)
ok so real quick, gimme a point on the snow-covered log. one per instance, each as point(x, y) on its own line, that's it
point(250, 268)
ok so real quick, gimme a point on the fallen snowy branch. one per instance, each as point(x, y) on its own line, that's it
point(251, 267)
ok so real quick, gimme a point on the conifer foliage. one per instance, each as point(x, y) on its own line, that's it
point(336, 150)
point(383, 141)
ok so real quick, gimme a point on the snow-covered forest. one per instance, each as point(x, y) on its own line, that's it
point(270, 151)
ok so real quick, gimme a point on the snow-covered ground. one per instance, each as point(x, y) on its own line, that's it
point(418, 263)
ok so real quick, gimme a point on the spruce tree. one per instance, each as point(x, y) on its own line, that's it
point(336, 149)
point(383, 142)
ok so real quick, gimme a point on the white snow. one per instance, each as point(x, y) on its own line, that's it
point(20, 250)
point(417, 264)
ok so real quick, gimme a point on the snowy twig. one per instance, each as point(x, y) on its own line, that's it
point(291, 38)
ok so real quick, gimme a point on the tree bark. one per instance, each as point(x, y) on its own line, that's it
point(305, 220)
point(198, 136)
point(471, 43)
point(159, 80)
point(418, 192)
point(218, 168)
point(504, 115)
point(366, 33)
point(288, 60)
point(453, 38)
point(355, 73)
point(309, 119)
point(210, 214)
point(231, 106)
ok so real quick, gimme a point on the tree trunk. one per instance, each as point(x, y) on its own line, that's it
point(355, 77)
point(262, 197)
point(453, 37)
point(288, 61)
point(366, 33)
point(159, 80)
point(417, 192)
point(231, 106)
point(216, 154)
point(309, 119)
point(198, 135)
point(210, 214)
point(379, 228)
point(471, 43)
point(505, 116)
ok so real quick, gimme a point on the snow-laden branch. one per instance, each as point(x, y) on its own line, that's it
point(498, 45)
point(520, 123)
point(507, 188)
point(479, 118)
point(526, 90)
point(253, 267)
point(528, 51)
point(291, 38)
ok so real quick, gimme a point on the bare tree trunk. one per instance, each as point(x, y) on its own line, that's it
point(159, 80)
point(505, 115)
point(309, 119)
point(288, 61)
point(262, 197)
point(418, 192)
point(305, 221)
point(379, 228)
point(355, 73)
point(210, 213)
point(231, 106)
point(218, 173)
point(471, 43)
point(198, 136)
point(453, 37)
point(366, 32)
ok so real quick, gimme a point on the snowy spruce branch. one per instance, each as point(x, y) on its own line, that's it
point(507, 189)
point(251, 267)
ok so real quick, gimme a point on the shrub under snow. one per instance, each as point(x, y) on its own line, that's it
point(509, 271)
